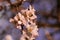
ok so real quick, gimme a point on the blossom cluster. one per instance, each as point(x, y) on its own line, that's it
point(26, 22)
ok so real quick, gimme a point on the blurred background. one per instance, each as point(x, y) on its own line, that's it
point(47, 12)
